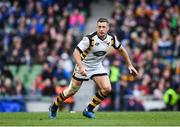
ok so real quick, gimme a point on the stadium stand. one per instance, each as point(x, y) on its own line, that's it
point(35, 35)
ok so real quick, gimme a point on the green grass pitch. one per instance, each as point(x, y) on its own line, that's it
point(102, 119)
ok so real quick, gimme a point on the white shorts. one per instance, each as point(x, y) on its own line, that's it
point(91, 72)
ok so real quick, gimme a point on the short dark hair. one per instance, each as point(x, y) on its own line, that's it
point(103, 20)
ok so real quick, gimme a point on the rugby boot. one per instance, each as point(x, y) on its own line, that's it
point(88, 114)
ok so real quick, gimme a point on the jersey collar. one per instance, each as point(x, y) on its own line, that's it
point(103, 38)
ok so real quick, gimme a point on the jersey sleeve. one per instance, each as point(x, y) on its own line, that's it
point(116, 44)
point(83, 44)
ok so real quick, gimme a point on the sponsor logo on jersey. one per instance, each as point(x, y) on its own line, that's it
point(108, 43)
point(99, 53)
point(97, 43)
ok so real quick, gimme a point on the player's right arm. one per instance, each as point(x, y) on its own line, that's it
point(77, 59)
point(82, 46)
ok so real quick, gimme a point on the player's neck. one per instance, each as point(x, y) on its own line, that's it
point(102, 37)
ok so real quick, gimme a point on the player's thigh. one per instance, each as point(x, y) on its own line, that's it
point(103, 82)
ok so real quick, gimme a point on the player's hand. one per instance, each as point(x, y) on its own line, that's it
point(132, 70)
point(82, 70)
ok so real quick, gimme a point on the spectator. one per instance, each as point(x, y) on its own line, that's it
point(8, 88)
point(19, 87)
point(49, 88)
point(77, 21)
point(171, 98)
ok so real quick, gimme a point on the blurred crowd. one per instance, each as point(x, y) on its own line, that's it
point(39, 32)
point(150, 31)
point(45, 32)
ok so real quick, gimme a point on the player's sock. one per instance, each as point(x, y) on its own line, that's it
point(54, 105)
point(97, 99)
point(59, 99)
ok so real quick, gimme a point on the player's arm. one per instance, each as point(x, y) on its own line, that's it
point(84, 43)
point(77, 59)
point(125, 55)
point(117, 45)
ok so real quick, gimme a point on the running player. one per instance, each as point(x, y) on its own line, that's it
point(88, 57)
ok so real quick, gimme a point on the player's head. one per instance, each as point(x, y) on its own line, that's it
point(102, 27)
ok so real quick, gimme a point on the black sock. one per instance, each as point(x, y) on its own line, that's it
point(54, 105)
point(90, 108)
point(97, 99)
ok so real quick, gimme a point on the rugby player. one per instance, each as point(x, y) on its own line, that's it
point(88, 56)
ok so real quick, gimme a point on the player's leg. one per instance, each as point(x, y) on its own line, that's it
point(104, 90)
point(70, 91)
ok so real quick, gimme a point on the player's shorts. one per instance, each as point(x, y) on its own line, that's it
point(91, 72)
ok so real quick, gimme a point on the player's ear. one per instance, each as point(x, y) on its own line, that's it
point(96, 27)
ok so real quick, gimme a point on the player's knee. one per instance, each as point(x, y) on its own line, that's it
point(71, 90)
point(107, 90)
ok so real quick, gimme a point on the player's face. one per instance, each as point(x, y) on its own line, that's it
point(102, 29)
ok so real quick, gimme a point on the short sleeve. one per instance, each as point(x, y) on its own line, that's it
point(117, 44)
point(83, 44)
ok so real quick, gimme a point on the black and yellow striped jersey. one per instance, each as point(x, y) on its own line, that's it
point(93, 49)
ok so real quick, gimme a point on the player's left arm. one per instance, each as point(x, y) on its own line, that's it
point(125, 55)
point(117, 45)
